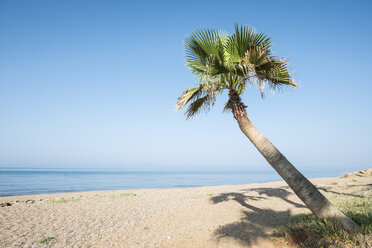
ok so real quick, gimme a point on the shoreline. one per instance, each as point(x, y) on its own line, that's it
point(73, 194)
point(212, 216)
point(168, 185)
point(137, 189)
point(102, 192)
point(24, 182)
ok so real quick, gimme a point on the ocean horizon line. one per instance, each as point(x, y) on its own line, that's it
point(30, 181)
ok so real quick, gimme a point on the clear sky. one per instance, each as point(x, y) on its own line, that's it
point(94, 84)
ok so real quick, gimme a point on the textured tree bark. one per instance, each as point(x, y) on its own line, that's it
point(302, 187)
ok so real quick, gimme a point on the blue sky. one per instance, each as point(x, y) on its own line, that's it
point(93, 84)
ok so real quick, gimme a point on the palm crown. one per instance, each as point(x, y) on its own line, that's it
point(229, 62)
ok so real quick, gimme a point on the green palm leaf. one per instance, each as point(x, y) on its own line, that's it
point(205, 52)
point(202, 103)
point(187, 96)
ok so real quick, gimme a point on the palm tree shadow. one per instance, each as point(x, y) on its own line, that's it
point(328, 190)
point(255, 222)
point(281, 193)
point(238, 197)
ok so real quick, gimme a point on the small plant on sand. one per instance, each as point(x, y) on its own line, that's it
point(114, 196)
point(122, 195)
point(46, 240)
point(146, 228)
point(311, 232)
point(65, 200)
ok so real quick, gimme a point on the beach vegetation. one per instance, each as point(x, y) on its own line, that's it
point(117, 195)
point(65, 200)
point(312, 232)
point(113, 196)
point(228, 63)
point(127, 194)
point(146, 228)
point(46, 240)
point(120, 195)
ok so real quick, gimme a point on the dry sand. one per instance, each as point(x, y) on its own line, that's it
point(217, 216)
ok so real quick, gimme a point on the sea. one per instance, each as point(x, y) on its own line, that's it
point(30, 181)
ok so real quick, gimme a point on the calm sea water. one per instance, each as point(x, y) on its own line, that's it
point(40, 181)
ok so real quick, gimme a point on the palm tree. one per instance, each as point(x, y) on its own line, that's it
point(224, 62)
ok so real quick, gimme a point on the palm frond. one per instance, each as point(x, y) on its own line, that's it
point(244, 39)
point(187, 96)
point(260, 68)
point(205, 52)
point(202, 103)
point(276, 72)
point(209, 89)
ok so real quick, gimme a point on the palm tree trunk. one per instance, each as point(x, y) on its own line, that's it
point(302, 187)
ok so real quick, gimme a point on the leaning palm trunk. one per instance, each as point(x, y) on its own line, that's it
point(303, 188)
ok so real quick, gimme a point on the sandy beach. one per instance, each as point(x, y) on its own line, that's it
point(216, 216)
